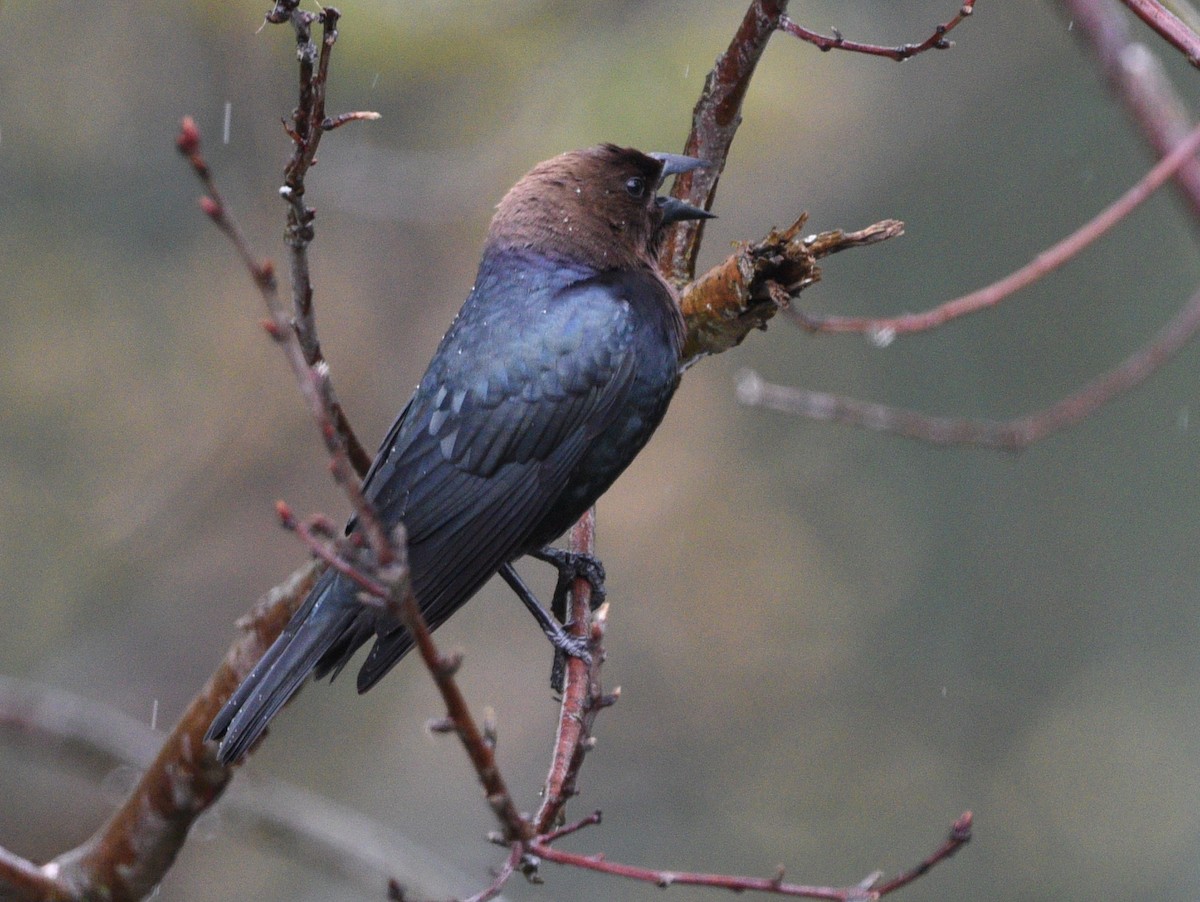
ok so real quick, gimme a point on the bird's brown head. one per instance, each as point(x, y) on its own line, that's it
point(596, 206)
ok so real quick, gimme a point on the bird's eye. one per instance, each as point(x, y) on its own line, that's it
point(636, 186)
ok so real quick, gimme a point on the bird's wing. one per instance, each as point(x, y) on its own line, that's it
point(510, 403)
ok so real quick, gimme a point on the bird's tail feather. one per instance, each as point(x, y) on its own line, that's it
point(324, 620)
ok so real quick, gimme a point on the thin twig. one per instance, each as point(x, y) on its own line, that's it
point(582, 693)
point(1041, 265)
point(864, 891)
point(388, 553)
point(313, 380)
point(505, 871)
point(309, 123)
point(936, 41)
point(314, 533)
point(479, 750)
point(1006, 435)
point(960, 835)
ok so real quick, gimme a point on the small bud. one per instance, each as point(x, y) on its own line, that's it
point(188, 140)
point(211, 208)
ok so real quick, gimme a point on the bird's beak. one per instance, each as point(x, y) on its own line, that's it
point(675, 163)
point(674, 210)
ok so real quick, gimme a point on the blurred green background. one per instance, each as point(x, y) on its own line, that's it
point(829, 642)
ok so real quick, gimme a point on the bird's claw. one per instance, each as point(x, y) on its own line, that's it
point(572, 565)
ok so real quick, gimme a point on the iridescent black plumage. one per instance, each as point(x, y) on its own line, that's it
point(551, 379)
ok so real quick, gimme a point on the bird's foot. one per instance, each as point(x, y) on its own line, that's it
point(572, 565)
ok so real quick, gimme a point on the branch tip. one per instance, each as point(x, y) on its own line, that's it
point(188, 140)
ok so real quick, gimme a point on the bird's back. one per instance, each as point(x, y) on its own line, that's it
point(547, 384)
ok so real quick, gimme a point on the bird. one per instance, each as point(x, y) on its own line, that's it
point(554, 374)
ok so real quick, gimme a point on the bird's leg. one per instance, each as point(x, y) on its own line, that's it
point(571, 565)
point(563, 642)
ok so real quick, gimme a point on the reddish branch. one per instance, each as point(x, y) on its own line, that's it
point(935, 41)
point(715, 121)
point(1169, 27)
point(865, 890)
point(129, 855)
point(583, 697)
point(1136, 76)
point(1006, 435)
point(1043, 264)
point(313, 379)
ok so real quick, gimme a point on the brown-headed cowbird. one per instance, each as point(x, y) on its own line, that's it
point(551, 379)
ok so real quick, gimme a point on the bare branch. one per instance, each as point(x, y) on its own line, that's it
point(313, 380)
point(1138, 79)
point(715, 121)
point(936, 41)
point(865, 890)
point(1007, 435)
point(583, 696)
point(128, 856)
point(1041, 265)
point(1172, 30)
point(309, 123)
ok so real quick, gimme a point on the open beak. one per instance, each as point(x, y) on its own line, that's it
point(674, 210)
point(675, 163)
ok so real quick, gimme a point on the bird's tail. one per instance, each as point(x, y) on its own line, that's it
point(328, 624)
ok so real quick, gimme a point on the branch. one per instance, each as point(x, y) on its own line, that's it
point(741, 294)
point(1007, 435)
point(715, 121)
point(314, 381)
point(293, 818)
point(128, 856)
point(1041, 265)
point(386, 577)
point(1136, 76)
point(309, 123)
point(936, 41)
point(1169, 27)
point(865, 890)
point(718, 114)
point(583, 697)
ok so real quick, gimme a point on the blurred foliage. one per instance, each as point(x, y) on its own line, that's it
point(830, 643)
